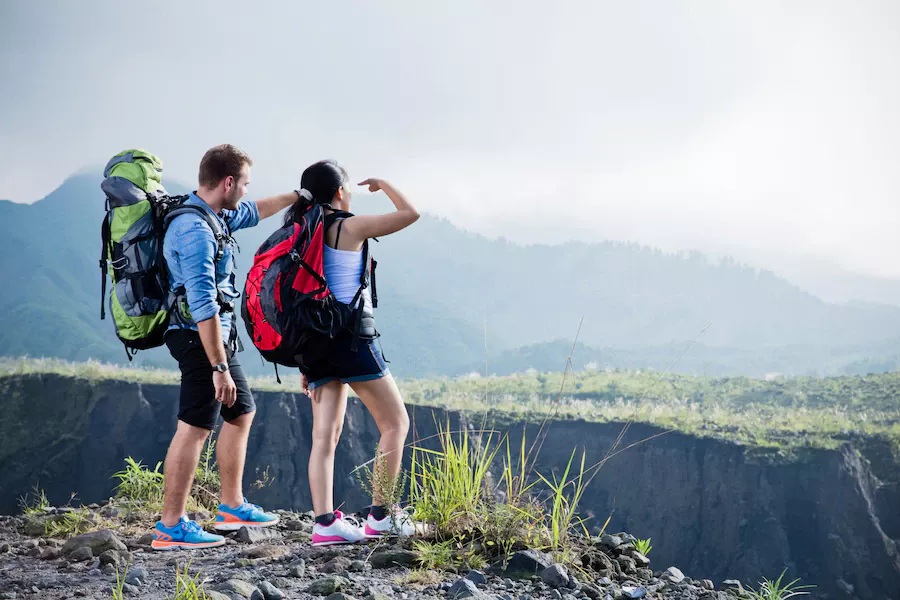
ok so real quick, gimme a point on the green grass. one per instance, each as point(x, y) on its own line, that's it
point(187, 586)
point(118, 589)
point(434, 555)
point(34, 503)
point(643, 546)
point(138, 484)
point(72, 523)
point(775, 590)
point(778, 416)
point(142, 488)
point(565, 495)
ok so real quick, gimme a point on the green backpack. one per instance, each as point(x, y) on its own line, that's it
point(138, 210)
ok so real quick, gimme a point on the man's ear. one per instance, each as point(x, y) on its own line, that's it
point(229, 183)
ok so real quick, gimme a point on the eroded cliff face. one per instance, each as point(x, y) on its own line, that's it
point(832, 517)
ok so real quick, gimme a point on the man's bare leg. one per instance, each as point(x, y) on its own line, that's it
point(181, 464)
point(231, 453)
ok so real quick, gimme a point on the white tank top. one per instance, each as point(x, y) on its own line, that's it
point(343, 268)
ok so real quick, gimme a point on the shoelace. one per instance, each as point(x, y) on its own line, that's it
point(190, 526)
point(351, 520)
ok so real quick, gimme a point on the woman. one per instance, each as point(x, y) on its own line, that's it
point(364, 369)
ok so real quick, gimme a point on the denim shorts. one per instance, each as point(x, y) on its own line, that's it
point(342, 363)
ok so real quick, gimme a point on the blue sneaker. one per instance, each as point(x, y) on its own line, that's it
point(245, 515)
point(186, 534)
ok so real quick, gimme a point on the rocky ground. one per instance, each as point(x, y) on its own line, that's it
point(280, 563)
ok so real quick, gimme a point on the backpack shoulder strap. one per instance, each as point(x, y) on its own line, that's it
point(214, 225)
point(336, 216)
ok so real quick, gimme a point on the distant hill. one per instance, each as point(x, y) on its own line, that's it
point(444, 290)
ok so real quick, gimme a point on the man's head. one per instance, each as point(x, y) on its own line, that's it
point(225, 175)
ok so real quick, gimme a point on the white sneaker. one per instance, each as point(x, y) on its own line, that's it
point(343, 530)
point(399, 523)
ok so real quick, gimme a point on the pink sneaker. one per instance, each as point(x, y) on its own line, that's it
point(343, 530)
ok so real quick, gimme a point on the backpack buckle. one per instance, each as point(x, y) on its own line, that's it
point(295, 256)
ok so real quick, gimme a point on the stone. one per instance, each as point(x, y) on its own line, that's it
point(464, 588)
point(733, 584)
point(338, 564)
point(242, 588)
point(633, 592)
point(266, 551)
point(477, 577)
point(555, 595)
point(604, 581)
point(556, 576)
point(269, 591)
point(297, 570)
point(626, 538)
point(257, 595)
point(360, 565)
point(673, 575)
point(610, 542)
point(98, 541)
point(35, 527)
point(627, 563)
point(111, 557)
point(49, 554)
point(641, 560)
point(573, 584)
point(327, 585)
point(384, 559)
point(137, 576)
point(255, 535)
point(145, 540)
point(214, 595)
point(295, 525)
point(81, 554)
point(845, 587)
point(34, 552)
point(108, 569)
point(523, 564)
point(281, 583)
point(707, 584)
point(129, 589)
point(5, 548)
point(591, 591)
point(339, 596)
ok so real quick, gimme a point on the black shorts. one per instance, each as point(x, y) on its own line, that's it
point(198, 405)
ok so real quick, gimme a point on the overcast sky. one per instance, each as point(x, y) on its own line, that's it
point(771, 126)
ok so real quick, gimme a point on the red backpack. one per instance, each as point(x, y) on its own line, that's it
point(290, 314)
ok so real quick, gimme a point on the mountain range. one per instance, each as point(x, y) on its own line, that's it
point(452, 301)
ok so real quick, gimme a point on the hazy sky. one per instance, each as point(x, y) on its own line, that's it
point(772, 126)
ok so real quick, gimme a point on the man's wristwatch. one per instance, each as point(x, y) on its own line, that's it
point(221, 367)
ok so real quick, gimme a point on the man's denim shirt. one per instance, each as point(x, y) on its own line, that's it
point(190, 251)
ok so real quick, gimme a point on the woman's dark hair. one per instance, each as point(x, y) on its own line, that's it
point(322, 180)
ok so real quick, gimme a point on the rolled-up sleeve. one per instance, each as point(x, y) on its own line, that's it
point(246, 215)
point(197, 252)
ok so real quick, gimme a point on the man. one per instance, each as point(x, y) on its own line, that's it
point(203, 339)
